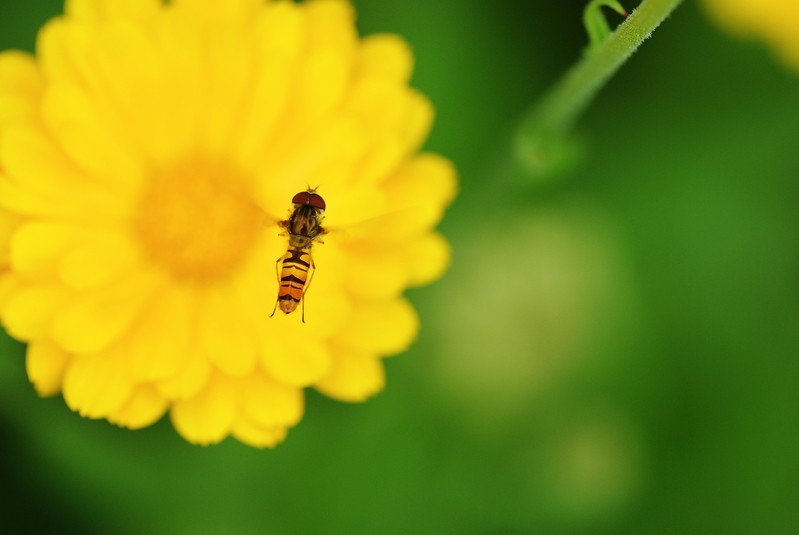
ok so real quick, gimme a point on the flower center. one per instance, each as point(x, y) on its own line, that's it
point(197, 220)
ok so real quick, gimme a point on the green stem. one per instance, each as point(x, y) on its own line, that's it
point(545, 127)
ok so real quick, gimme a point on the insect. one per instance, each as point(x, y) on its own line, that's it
point(296, 267)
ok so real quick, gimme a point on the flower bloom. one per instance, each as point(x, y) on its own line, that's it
point(774, 22)
point(148, 152)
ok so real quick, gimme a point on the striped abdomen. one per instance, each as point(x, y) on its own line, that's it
point(293, 276)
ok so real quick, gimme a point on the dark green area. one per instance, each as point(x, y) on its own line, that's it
point(647, 382)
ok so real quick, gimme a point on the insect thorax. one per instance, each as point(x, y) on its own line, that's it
point(299, 241)
point(303, 223)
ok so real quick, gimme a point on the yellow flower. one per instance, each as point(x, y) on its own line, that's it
point(148, 152)
point(774, 22)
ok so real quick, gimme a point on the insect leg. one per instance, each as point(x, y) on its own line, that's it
point(311, 270)
point(278, 265)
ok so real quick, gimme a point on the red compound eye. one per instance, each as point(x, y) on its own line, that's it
point(310, 198)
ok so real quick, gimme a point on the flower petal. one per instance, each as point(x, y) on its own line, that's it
point(256, 436)
point(92, 143)
point(384, 327)
point(82, 256)
point(419, 193)
point(354, 377)
point(97, 385)
point(225, 336)
point(46, 364)
point(28, 309)
point(105, 257)
point(8, 223)
point(144, 407)
point(97, 317)
point(20, 86)
point(189, 381)
point(383, 272)
point(19, 74)
point(215, 12)
point(418, 123)
point(428, 258)
point(92, 11)
point(38, 166)
point(271, 404)
point(330, 25)
point(300, 363)
point(37, 246)
point(208, 417)
point(323, 76)
point(18, 199)
point(158, 344)
point(387, 57)
point(281, 31)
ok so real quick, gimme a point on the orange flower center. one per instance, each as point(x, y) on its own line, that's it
point(198, 220)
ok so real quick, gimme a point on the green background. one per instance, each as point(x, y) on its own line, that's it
point(614, 349)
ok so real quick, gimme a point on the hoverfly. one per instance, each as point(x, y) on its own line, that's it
point(295, 268)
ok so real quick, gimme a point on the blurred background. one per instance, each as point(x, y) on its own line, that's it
point(615, 349)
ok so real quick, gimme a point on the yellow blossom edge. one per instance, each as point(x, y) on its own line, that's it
point(772, 22)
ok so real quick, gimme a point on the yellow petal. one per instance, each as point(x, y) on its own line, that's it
point(82, 255)
point(104, 258)
point(144, 407)
point(323, 154)
point(96, 385)
point(428, 258)
point(136, 90)
point(354, 377)
point(331, 25)
point(46, 364)
point(385, 327)
point(322, 79)
point(174, 93)
point(38, 166)
point(208, 417)
point(271, 404)
point(232, 60)
point(142, 87)
point(97, 317)
point(8, 223)
point(15, 107)
point(398, 120)
point(256, 436)
point(300, 363)
point(158, 345)
point(19, 199)
point(382, 105)
point(354, 211)
point(324, 74)
point(19, 73)
point(225, 335)
point(377, 272)
point(419, 193)
point(280, 30)
point(387, 57)
point(37, 247)
point(418, 122)
point(67, 54)
point(93, 11)
point(28, 310)
point(215, 12)
point(189, 381)
point(91, 143)
point(20, 86)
